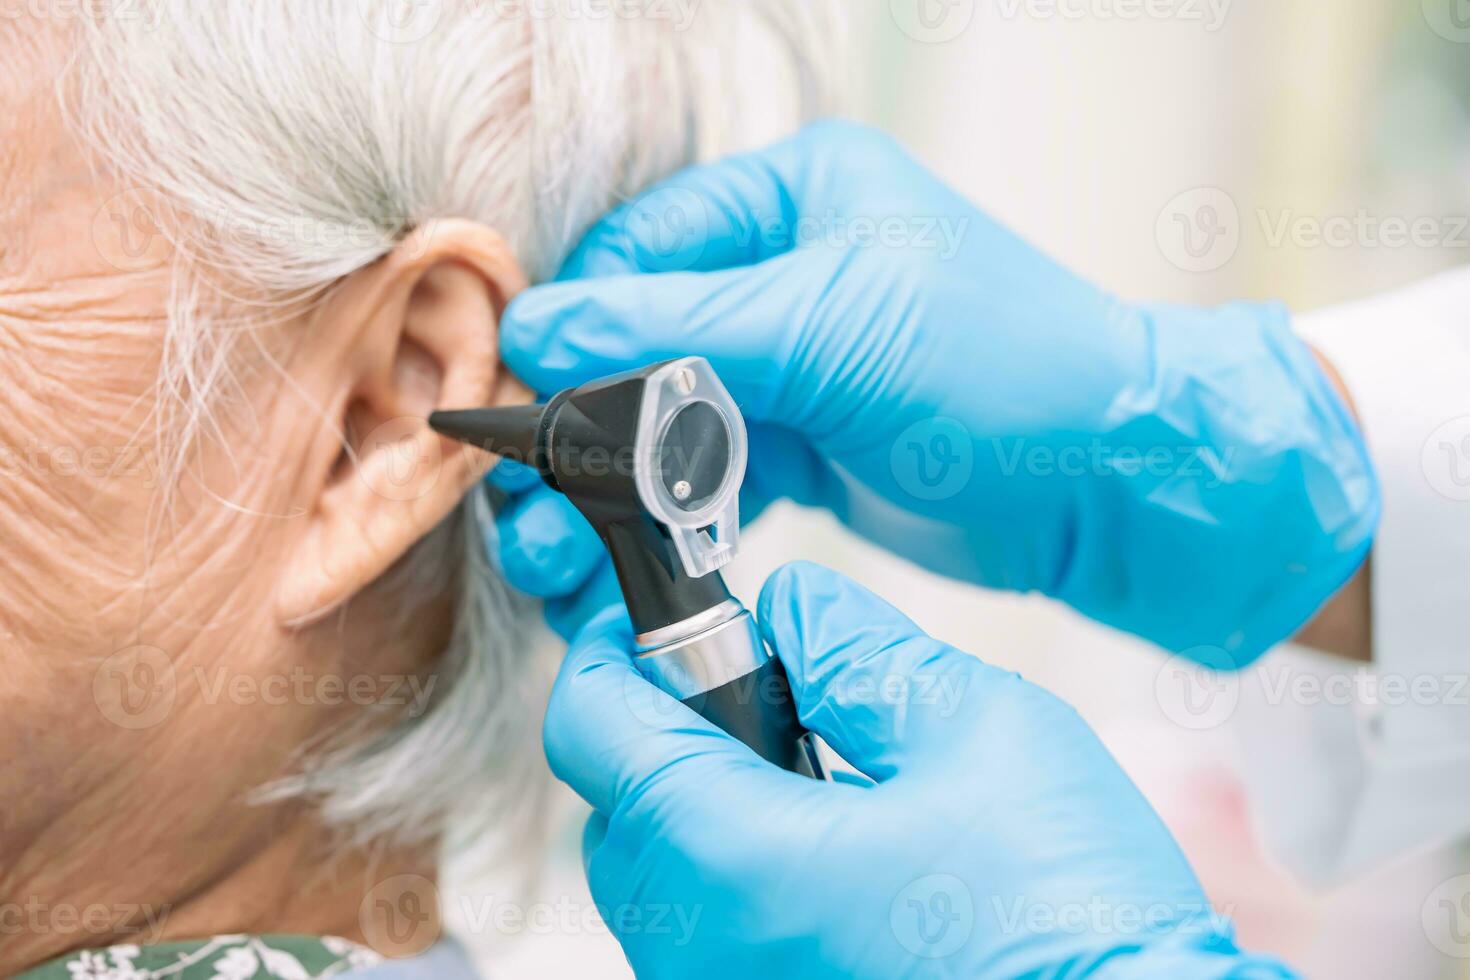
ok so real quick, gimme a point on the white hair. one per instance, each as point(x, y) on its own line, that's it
point(302, 140)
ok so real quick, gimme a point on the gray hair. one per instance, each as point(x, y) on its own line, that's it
point(350, 123)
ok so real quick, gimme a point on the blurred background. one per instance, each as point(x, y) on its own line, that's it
point(1105, 131)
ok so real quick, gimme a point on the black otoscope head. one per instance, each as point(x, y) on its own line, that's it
point(654, 459)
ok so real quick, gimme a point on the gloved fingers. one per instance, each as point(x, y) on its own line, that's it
point(547, 549)
point(615, 738)
point(885, 695)
point(738, 211)
point(568, 615)
point(745, 321)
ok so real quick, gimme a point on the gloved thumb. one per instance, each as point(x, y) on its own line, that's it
point(884, 694)
point(564, 334)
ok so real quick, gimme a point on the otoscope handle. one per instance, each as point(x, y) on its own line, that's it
point(721, 668)
point(759, 711)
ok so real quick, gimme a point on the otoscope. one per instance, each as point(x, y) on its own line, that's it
point(654, 459)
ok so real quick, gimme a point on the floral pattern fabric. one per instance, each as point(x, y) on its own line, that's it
point(220, 958)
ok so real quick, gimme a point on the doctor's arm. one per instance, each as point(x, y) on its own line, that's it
point(997, 837)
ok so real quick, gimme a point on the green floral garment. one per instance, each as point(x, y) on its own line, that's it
point(220, 958)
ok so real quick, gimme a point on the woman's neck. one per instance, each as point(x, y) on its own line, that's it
point(293, 883)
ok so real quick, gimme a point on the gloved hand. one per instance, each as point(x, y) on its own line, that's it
point(548, 550)
point(1188, 475)
point(1000, 839)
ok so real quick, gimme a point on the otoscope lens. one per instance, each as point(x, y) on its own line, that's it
point(694, 456)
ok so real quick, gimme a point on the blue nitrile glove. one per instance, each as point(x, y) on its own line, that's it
point(547, 549)
point(1000, 839)
point(1188, 475)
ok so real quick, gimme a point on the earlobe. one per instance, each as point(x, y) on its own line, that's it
point(410, 335)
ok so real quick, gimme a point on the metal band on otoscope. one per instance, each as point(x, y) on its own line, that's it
point(724, 646)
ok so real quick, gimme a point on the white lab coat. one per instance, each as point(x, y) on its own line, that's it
point(1349, 767)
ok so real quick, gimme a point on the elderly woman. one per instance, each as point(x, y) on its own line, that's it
point(259, 677)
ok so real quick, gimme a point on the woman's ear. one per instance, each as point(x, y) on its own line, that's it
point(414, 333)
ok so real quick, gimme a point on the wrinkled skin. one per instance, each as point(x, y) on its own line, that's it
point(144, 617)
